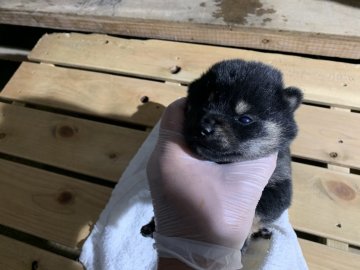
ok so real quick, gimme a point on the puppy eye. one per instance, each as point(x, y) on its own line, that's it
point(244, 119)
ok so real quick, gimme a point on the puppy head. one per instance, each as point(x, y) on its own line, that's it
point(240, 110)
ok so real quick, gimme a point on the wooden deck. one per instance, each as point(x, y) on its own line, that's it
point(321, 27)
point(75, 113)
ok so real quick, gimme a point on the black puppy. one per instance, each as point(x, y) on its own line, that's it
point(238, 111)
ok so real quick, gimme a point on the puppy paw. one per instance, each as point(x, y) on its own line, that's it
point(263, 233)
point(148, 229)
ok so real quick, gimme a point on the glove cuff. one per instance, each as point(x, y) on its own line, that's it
point(198, 255)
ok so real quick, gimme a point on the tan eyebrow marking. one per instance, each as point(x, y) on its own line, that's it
point(242, 107)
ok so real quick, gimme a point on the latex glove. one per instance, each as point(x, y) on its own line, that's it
point(202, 207)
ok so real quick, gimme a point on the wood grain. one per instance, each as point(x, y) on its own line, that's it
point(266, 24)
point(323, 82)
point(83, 146)
point(48, 205)
point(15, 255)
point(320, 257)
point(326, 203)
point(111, 96)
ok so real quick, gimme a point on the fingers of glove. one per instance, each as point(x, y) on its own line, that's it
point(201, 209)
point(243, 186)
point(237, 188)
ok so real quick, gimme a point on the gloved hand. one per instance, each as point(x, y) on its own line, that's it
point(203, 210)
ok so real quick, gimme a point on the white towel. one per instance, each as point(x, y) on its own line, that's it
point(116, 243)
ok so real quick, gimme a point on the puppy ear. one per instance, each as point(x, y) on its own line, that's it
point(293, 96)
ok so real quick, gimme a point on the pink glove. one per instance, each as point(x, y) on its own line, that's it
point(203, 210)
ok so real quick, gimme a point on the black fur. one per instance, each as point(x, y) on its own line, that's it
point(216, 131)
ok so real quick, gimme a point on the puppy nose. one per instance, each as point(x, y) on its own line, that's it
point(206, 131)
point(207, 127)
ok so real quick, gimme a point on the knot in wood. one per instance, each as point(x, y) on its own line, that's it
point(65, 197)
point(113, 156)
point(333, 155)
point(265, 41)
point(66, 131)
point(341, 190)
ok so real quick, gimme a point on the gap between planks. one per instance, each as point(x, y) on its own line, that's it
point(38, 242)
point(321, 257)
point(18, 255)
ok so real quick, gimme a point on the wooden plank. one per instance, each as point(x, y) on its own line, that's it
point(320, 257)
point(327, 135)
point(48, 205)
point(266, 24)
point(277, 14)
point(88, 147)
point(333, 141)
point(243, 37)
point(116, 97)
point(323, 82)
point(326, 203)
point(20, 256)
